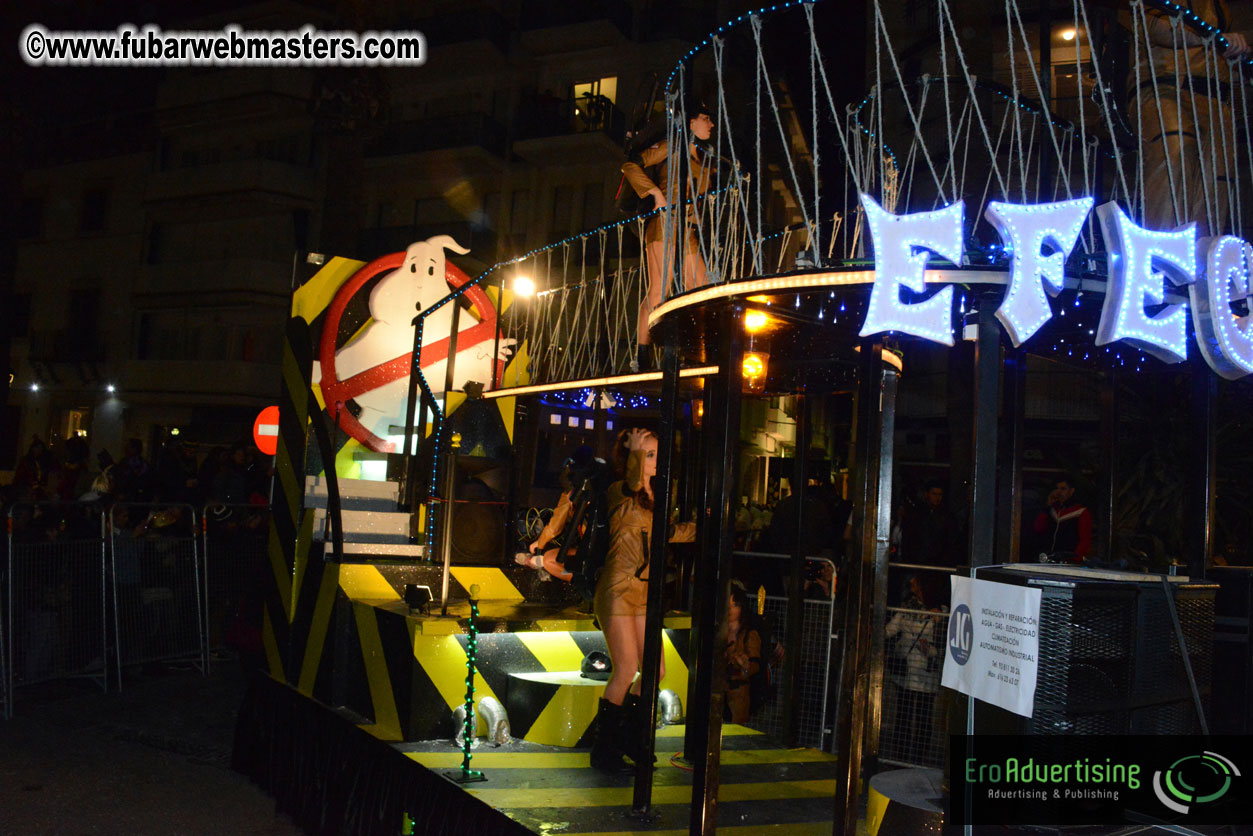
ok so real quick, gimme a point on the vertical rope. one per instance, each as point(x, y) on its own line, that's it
point(1141, 22)
point(1105, 105)
point(758, 171)
point(946, 16)
point(783, 139)
point(1039, 86)
point(741, 197)
point(816, 249)
point(1210, 212)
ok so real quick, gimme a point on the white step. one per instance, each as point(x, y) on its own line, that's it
point(355, 488)
point(366, 526)
point(392, 550)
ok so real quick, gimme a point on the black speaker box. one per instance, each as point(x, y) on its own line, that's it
point(1110, 661)
point(1233, 650)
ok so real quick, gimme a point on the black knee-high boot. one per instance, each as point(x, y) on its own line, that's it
point(634, 722)
point(606, 751)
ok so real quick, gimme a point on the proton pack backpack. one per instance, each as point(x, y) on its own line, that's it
point(630, 204)
point(585, 539)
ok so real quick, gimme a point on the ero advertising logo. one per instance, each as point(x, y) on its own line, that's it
point(1043, 779)
point(1194, 780)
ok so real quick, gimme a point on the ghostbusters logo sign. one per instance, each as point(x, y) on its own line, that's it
point(372, 368)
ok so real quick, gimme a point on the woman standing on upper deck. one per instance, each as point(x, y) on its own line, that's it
point(622, 593)
point(698, 175)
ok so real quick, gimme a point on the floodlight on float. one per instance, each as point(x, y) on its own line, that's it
point(754, 367)
point(755, 321)
point(523, 286)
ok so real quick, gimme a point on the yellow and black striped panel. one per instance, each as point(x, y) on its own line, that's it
point(763, 789)
point(407, 672)
point(289, 531)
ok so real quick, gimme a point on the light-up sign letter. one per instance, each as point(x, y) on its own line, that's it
point(1225, 339)
point(1134, 254)
point(896, 239)
point(1026, 231)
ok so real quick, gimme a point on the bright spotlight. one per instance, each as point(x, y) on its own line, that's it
point(754, 321)
point(753, 366)
point(34, 387)
point(110, 388)
point(523, 286)
point(1068, 34)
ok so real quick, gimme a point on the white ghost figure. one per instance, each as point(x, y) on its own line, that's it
point(394, 302)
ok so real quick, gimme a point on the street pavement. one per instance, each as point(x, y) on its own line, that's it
point(153, 759)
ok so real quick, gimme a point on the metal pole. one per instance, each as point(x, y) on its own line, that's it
point(450, 495)
point(1109, 458)
point(876, 423)
point(641, 805)
point(1199, 509)
point(983, 445)
point(706, 707)
point(410, 455)
point(883, 534)
point(500, 304)
point(599, 418)
point(692, 734)
point(1009, 474)
point(795, 600)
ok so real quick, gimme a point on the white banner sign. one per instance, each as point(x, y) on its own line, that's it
point(994, 643)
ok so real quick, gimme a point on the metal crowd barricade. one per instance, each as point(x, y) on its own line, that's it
point(55, 624)
point(914, 707)
point(813, 671)
point(235, 546)
point(156, 585)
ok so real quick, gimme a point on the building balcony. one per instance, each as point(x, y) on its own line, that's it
point(464, 25)
point(235, 177)
point(550, 14)
point(444, 132)
point(208, 381)
point(541, 116)
point(218, 279)
point(67, 345)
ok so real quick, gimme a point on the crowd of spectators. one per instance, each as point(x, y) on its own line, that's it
point(66, 476)
point(234, 475)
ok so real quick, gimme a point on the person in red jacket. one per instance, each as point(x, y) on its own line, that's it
point(1065, 527)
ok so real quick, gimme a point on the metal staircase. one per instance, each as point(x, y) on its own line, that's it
point(374, 529)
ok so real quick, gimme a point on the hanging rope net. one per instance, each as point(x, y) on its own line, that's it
point(1145, 104)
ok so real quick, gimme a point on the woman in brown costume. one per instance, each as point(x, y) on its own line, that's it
point(622, 593)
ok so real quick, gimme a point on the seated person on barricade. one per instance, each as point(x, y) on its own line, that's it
point(913, 660)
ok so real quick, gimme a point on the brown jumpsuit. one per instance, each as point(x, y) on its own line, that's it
point(693, 264)
point(622, 588)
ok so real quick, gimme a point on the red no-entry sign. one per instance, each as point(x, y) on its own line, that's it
point(265, 430)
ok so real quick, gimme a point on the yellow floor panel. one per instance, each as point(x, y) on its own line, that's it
point(516, 799)
point(808, 828)
point(728, 729)
point(579, 760)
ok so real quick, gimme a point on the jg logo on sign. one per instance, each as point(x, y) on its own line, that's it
point(961, 634)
